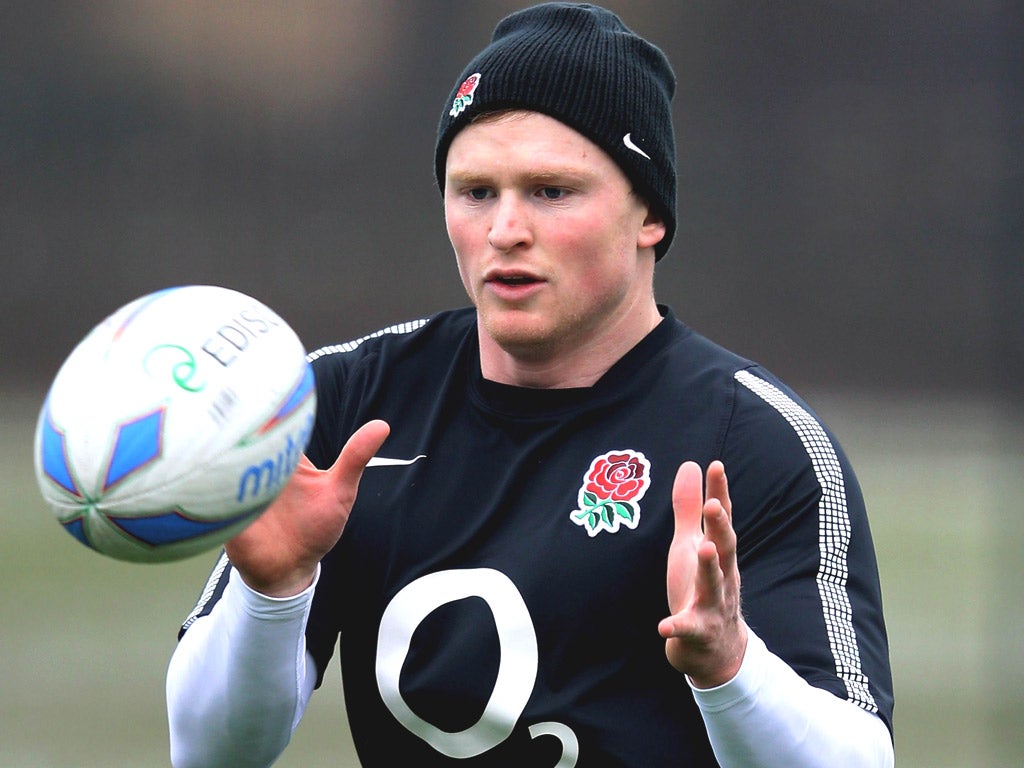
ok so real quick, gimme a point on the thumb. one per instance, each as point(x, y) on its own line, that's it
point(357, 451)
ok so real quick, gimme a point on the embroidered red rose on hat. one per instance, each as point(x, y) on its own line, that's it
point(464, 97)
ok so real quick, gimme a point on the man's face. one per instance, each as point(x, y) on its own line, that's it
point(546, 232)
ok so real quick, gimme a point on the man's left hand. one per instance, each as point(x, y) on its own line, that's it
point(705, 637)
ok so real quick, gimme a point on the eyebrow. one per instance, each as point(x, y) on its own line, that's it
point(558, 176)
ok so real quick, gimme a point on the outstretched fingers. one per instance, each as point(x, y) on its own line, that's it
point(704, 592)
point(705, 635)
point(278, 553)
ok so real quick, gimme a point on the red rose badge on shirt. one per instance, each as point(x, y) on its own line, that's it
point(611, 492)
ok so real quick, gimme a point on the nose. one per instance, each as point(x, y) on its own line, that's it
point(509, 228)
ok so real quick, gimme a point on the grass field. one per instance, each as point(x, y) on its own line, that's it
point(85, 640)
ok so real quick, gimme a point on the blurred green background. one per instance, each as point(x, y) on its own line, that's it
point(86, 639)
point(850, 216)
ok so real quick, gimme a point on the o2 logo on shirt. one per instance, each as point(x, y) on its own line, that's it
point(517, 670)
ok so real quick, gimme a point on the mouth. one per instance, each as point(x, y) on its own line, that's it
point(511, 278)
point(512, 286)
point(514, 279)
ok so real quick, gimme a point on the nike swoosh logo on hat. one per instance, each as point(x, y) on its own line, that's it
point(380, 461)
point(628, 141)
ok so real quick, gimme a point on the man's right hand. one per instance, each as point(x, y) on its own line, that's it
point(278, 553)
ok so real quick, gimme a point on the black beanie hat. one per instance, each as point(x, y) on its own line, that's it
point(581, 65)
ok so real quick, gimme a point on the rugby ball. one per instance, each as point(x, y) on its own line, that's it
point(174, 423)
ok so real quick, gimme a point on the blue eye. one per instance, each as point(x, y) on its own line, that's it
point(479, 193)
point(552, 193)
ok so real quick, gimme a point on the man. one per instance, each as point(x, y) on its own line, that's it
point(533, 472)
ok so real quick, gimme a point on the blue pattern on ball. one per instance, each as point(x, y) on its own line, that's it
point(138, 443)
point(172, 527)
point(299, 395)
point(76, 528)
point(55, 458)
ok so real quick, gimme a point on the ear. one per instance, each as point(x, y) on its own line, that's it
point(652, 231)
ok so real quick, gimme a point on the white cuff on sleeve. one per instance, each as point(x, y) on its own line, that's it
point(261, 606)
point(769, 716)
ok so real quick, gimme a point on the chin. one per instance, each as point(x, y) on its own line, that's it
point(525, 338)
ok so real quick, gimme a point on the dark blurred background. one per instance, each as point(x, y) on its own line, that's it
point(850, 174)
